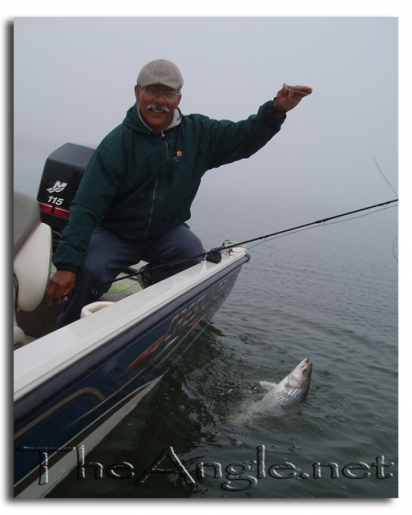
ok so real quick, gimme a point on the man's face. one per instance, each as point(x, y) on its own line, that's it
point(156, 110)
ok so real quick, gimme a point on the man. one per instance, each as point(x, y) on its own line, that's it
point(136, 192)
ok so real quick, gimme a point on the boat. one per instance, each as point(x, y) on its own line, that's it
point(73, 385)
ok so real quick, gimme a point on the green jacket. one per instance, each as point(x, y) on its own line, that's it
point(139, 183)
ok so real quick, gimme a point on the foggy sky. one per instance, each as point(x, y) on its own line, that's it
point(74, 80)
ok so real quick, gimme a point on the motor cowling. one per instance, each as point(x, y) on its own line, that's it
point(62, 173)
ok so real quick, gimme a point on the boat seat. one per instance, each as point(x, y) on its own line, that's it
point(32, 258)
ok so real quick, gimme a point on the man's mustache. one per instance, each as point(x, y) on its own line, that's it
point(158, 109)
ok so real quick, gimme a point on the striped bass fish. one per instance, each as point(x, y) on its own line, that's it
point(292, 389)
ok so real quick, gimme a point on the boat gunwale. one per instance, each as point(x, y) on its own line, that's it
point(41, 372)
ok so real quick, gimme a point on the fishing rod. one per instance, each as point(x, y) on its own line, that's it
point(323, 220)
point(214, 255)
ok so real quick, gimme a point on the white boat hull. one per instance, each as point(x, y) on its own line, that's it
point(74, 385)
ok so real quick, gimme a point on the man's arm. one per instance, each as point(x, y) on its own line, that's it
point(232, 141)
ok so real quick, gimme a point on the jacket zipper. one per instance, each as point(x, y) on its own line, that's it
point(162, 135)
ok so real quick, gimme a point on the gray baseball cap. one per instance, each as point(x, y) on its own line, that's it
point(160, 71)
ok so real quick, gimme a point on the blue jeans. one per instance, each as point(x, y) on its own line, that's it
point(107, 255)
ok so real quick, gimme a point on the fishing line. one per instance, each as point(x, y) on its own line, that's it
point(383, 175)
point(315, 227)
point(323, 220)
point(226, 246)
point(393, 249)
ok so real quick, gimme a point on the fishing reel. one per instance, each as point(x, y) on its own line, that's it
point(215, 255)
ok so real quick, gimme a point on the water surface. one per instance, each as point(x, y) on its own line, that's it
point(329, 294)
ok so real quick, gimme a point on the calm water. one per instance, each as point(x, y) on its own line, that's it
point(329, 294)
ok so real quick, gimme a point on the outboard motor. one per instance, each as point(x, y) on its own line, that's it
point(61, 177)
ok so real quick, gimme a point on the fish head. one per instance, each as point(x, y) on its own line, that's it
point(298, 381)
